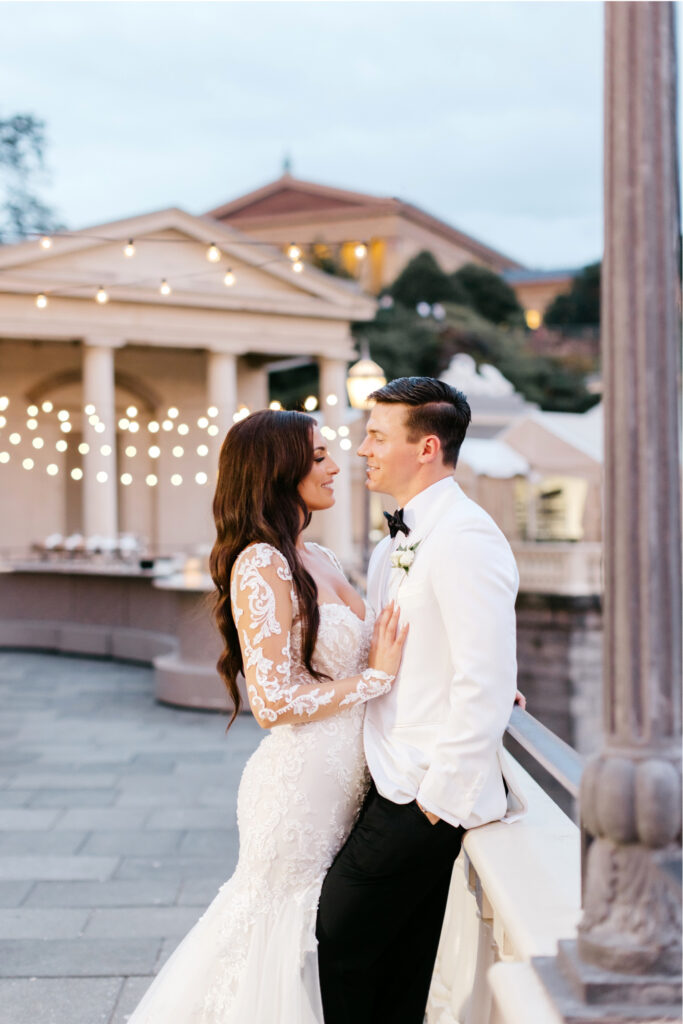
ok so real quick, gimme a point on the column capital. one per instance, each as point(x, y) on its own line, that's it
point(94, 341)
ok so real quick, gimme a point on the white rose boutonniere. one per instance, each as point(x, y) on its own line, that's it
point(403, 557)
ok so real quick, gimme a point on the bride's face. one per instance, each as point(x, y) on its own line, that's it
point(317, 487)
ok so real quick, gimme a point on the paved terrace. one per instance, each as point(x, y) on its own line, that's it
point(117, 827)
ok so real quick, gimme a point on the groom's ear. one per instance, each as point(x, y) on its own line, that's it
point(430, 449)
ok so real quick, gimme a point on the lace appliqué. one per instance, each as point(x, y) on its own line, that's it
point(373, 684)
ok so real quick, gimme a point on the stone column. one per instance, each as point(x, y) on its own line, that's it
point(221, 388)
point(100, 513)
point(337, 521)
point(252, 386)
point(628, 953)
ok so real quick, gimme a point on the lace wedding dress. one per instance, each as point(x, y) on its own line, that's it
point(252, 957)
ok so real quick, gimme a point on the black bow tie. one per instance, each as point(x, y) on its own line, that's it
point(396, 524)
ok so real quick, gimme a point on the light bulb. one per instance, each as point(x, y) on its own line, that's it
point(167, 425)
point(178, 451)
point(229, 279)
point(4, 457)
point(76, 474)
point(202, 422)
point(183, 428)
point(165, 287)
point(102, 477)
point(47, 406)
point(3, 421)
point(4, 402)
point(176, 479)
point(94, 419)
point(63, 415)
point(52, 469)
point(297, 267)
point(151, 480)
point(331, 399)
point(275, 406)
point(293, 251)
point(129, 250)
point(41, 301)
point(172, 413)
point(32, 424)
point(28, 463)
point(126, 479)
point(311, 403)
point(154, 451)
point(343, 431)
point(213, 253)
point(213, 429)
point(105, 449)
point(212, 411)
point(89, 409)
point(202, 449)
point(153, 427)
point(133, 426)
point(32, 410)
point(61, 446)
point(84, 448)
point(124, 423)
point(201, 478)
point(131, 411)
point(65, 427)
point(46, 242)
point(14, 438)
point(101, 296)
point(37, 442)
point(99, 428)
point(345, 444)
point(360, 251)
point(131, 451)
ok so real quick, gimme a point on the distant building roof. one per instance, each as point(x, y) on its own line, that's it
point(287, 197)
point(525, 275)
point(488, 457)
point(583, 430)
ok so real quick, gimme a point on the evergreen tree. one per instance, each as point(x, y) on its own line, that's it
point(580, 306)
point(22, 147)
point(488, 294)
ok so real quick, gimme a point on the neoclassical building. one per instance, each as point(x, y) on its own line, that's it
point(127, 349)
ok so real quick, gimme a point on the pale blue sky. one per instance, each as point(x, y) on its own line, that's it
point(486, 114)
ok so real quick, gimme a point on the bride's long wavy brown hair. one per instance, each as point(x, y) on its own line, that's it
point(262, 461)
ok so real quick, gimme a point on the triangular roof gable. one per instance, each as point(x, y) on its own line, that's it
point(292, 195)
point(264, 259)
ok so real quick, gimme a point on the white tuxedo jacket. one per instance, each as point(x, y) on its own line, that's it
point(437, 735)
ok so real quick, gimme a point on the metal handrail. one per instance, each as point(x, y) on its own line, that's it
point(548, 750)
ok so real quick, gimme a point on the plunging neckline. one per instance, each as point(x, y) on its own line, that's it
point(343, 604)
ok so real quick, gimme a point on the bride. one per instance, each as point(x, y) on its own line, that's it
point(311, 656)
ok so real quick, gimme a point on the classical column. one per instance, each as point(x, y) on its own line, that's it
point(221, 388)
point(337, 521)
point(628, 953)
point(252, 385)
point(100, 514)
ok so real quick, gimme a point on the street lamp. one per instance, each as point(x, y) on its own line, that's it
point(363, 378)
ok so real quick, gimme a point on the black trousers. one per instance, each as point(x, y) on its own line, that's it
point(380, 915)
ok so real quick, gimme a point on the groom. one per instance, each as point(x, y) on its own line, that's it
point(434, 742)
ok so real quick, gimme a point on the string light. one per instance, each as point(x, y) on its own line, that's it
point(105, 450)
point(172, 413)
point(4, 457)
point(89, 410)
point(213, 429)
point(14, 438)
point(63, 414)
point(101, 296)
point(153, 427)
point(311, 403)
point(201, 478)
point(124, 423)
point(99, 428)
point(3, 421)
point(131, 451)
point(84, 448)
point(165, 287)
point(61, 445)
point(345, 444)
point(151, 480)
point(28, 463)
point(154, 452)
point(297, 267)
point(126, 479)
point(183, 429)
point(47, 406)
point(32, 424)
point(360, 251)
point(176, 479)
point(202, 449)
point(178, 451)
point(133, 427)
point(65, 427)
point(275, 406)
point(167, 425)
point(294, 252)
point(4, 402)
point(41, 301)
point(213, 253)
point(37, 442)
point(32, 410)
point(131, 411)
point(52, 469)
point(46, 242)
point(229, 279)
point(93, 419)
point(343, 431)
point(102, 477)
point(331, 400)
point(328, 433)
point(212, 411)
point(76, 474)
point(129, 249)
point(202, 422)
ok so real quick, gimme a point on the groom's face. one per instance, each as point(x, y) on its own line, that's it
point(392, 460)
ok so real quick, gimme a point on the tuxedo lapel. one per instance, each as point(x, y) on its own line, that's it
point(416, 536)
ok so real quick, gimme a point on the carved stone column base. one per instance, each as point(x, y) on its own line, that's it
point(584, 994)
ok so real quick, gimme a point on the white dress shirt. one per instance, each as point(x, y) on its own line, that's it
point(437, 735)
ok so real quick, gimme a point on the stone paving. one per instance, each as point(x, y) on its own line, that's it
point(117, 825)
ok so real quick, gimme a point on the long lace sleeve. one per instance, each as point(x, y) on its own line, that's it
point(262, 596)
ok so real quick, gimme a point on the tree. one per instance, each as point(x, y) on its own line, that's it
point(22, 147)
point(423, 280)
point(580, 306)
point(488, 294)
point(402, 343)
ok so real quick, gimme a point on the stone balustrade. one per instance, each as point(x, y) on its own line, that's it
point(567, 568)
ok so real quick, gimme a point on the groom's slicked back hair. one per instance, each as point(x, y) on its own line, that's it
point(434, 408)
